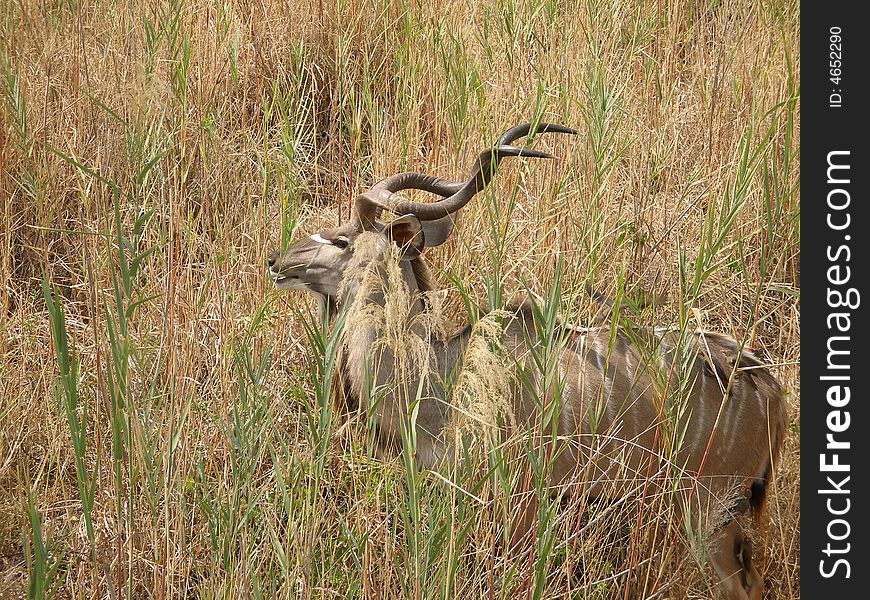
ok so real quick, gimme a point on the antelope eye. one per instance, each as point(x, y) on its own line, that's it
point(340, 242)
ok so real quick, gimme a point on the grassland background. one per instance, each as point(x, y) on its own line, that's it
point(186, 452)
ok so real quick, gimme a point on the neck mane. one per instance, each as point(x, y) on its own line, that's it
point(345, 397)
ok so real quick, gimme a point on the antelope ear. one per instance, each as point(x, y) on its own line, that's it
point(436, 232)
point(408, 235)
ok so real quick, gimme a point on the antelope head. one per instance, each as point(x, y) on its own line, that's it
point(317, 263)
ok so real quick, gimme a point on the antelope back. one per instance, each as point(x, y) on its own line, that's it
point(647, 401)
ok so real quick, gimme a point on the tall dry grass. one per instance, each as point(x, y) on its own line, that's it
point(164, 424)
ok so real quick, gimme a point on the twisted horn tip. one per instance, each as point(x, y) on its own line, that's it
point(505, 150)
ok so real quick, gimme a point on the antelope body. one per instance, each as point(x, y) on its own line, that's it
point(607, 427)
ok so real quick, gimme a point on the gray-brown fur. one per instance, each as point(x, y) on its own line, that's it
point(625, 393)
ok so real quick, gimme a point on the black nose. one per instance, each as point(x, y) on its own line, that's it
point(272, 258)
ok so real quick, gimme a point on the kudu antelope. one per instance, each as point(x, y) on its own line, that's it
point(613, 399)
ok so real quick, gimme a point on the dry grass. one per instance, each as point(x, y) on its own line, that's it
point(153, 153)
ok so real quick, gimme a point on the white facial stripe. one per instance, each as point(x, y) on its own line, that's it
point(316, 237)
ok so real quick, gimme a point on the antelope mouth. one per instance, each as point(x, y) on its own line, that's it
point(287, 281)
point(280, 279)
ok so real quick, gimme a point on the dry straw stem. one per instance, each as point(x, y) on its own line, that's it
point(482, 393)
point(224, 130)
